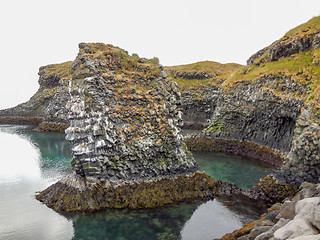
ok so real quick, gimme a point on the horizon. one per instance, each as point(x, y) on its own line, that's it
point(177, 32)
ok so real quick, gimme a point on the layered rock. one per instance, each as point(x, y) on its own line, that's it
point(276, 103)
point(124, 133)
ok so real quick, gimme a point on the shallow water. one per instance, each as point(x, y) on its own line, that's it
point(240, 171)
point(31, 161)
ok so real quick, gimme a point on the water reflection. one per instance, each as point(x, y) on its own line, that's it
point(210, 220)
point(22, 217)
point(19, 159)
point(31, 161)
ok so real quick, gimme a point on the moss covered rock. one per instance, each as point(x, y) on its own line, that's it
point(75, 193)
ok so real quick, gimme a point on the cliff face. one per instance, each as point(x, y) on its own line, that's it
point(48, 103)
point(254, 113)
point(199, 85)
point(124, 119)
point(125, 136)
point(276, 102)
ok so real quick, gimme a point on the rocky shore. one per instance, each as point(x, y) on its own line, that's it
point(122, 115)
point(296, 218)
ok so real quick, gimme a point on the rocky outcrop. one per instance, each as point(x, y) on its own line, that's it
point(124, 128)
point(199, 85)
point(297, 218)
point(75, 193)
point(192, 75)
point(301, 39)
point(285, 48)
point(303, 160)
point(49, 102)
point(252, 112)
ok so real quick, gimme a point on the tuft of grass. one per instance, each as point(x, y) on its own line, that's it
point(299, 67)
point(303, 30)
point(218, 70)
point(61, 69)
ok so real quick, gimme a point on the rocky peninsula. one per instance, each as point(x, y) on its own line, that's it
point(123, 115)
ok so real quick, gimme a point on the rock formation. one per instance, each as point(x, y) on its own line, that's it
point(125, 136)
point(199, 84)
point(276, 103)
point(47, 106)
point(303, 38)
point(297, 218)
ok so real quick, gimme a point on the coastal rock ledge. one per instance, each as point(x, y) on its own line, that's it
point(125, 136)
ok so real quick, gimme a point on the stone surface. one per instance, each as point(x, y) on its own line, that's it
point(285, 47)
point(125, 137)
point(49, 102)
point(248, 111)
point(124, 118)
point(287, 210)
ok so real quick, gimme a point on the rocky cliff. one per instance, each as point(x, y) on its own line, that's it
point(48, 103)
point(276, 103)
point(303, 38)
point(125, 137)
point(199, 84)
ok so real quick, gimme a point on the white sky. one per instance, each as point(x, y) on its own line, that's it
point(36, 33)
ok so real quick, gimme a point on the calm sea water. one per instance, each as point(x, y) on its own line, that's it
point(31, 161)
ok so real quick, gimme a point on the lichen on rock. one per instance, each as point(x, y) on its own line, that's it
point(124, 125)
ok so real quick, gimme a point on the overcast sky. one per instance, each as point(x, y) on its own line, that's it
point(36, 33)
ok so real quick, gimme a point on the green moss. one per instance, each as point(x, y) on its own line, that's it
point(64, 197)
point(61, 70)
point(298, 67)
point(214, 126)
point(303, 30)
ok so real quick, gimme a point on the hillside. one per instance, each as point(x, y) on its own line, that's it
point(304, 37)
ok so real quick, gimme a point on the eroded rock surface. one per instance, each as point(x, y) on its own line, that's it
point(124, 131)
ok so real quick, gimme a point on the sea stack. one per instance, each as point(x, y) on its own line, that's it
point(125, 136)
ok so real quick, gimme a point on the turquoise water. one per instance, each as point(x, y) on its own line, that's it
point(31, 161)
point(237, 170)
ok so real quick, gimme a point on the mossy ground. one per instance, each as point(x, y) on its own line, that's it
point(303, 30)
point(59, 69)
point(217, 70)
point(301, 68)
point(235, 147)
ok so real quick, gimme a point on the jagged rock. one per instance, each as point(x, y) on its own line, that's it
point(257, 231)
point(269, 233)
point(124, 129)
point(248, 112)
point(49, 102)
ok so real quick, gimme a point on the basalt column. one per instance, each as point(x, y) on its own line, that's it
point(125, 136)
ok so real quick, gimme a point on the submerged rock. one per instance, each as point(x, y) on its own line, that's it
point(124, 131)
